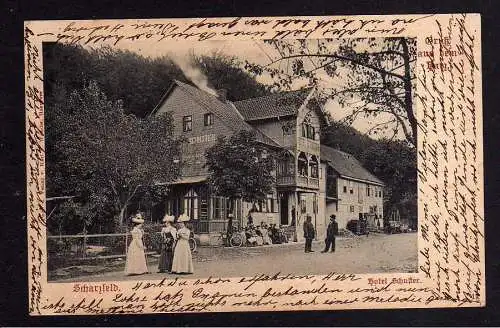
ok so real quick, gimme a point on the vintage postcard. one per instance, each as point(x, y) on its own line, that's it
point(254, 164)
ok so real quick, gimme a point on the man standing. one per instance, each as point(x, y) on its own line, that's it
point(229, 231)
point(308, 234)
point(331, 231)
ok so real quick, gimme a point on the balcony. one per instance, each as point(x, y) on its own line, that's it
point(285, 181)
point(299, 181)
point(308, 145)
point(307, 182)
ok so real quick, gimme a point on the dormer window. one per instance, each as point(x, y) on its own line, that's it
point(187, 123)
point(208, 119)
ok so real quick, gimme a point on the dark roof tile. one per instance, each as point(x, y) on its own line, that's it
point(275, 105)
point(346, 165)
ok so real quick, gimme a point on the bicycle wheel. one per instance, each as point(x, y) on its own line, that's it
point(192, 244)
point(236, 240)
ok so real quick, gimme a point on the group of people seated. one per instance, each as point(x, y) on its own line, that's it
point(264, 234)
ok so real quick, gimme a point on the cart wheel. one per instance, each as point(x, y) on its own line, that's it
point(236, 240)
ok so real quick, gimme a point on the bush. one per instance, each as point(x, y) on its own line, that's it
point(152, 239)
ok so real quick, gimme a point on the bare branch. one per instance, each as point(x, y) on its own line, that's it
point(357, 62)
point(380, 124)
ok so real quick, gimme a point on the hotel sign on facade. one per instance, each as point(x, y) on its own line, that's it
point(203, 139)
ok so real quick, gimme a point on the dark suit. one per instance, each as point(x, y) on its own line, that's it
point(331, 231)
point(308, 235)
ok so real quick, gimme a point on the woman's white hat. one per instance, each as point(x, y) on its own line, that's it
point(138, 218)
point(183, 218)
point(169, 218)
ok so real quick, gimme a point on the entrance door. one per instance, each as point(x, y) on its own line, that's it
point(284, 210)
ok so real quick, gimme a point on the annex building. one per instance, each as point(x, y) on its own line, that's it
point(311, 179)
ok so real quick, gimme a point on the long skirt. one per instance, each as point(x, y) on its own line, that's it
point(136, 260)
point(183, 260)
point(166, 258)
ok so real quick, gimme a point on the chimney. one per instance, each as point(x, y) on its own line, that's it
point(222, 95)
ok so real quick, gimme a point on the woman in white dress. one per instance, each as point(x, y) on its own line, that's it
point(169, 235)
point(183, 260)
point(136, 258)
point(265, 234)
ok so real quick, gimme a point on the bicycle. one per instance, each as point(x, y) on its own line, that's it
point(236, 239)
point(193, 245)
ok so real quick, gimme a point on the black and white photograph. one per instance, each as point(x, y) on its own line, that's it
point(230, 158)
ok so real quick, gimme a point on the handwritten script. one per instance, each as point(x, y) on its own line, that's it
point(89, 33)
point(450, 161)
point(450, 175)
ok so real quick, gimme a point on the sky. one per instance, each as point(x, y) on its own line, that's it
point(254, 51)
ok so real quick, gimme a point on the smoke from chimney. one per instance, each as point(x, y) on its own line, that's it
point(193, 73)
point(222, 94)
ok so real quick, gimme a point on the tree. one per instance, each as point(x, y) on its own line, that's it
point(346, 138)
point(395, 163)
point(240, 167)
point(105, 156)
point(371, 77)
point(137, 81)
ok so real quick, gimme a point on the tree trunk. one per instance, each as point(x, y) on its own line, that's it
point(408, 92)
point(121, 215)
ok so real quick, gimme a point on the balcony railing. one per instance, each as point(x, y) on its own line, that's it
point(300, 181)
point(285, 181)
point(313, 182)
point(309, 182)
point(307, 145)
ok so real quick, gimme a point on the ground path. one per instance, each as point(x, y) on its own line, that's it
point(361, 254)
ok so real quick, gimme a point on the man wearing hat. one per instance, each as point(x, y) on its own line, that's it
point(331, 231)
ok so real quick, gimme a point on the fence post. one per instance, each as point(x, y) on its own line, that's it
point(84, 244)
point(126, 243)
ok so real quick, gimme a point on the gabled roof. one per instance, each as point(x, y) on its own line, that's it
point(226, 112)
point(275, 105)
point(346, 165)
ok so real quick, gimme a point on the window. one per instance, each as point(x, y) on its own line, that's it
point(270, 205)
point(187, 123)
point(311, 132)
point(308, 131)
point(191, 204)
point(351, 191)
point(351, 208)
point(286, 167)
point(267, 205)
point(218, 208)
point(302, 164)
point(313, 164)
point(345, 188)
point(303, 207)
point(208, 119)
point(367, 190)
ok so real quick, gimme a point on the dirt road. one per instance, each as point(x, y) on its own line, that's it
point(362, 254)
